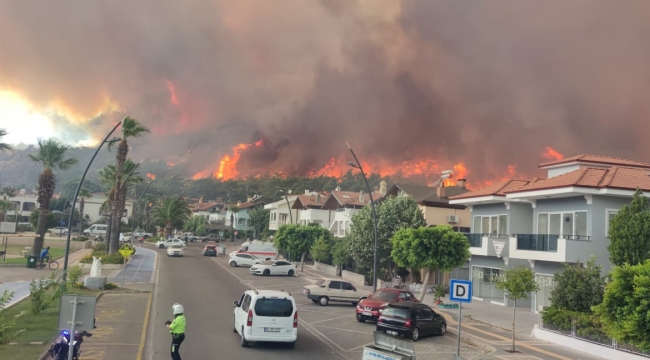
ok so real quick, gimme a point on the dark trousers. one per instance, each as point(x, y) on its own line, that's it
point(177, 339)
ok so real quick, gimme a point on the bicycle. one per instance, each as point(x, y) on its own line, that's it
point(52, 264)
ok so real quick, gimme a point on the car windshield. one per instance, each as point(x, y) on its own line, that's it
point(395, 312)
point(273, 307)
point(319, 282)
point(384, 295)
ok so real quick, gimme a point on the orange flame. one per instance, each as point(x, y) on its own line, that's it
point(172, 93)
point(151, 176)
point(171, 164)
point(228, 164)
point(550, 154)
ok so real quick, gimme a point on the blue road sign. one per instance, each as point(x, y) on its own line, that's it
point(460, 291)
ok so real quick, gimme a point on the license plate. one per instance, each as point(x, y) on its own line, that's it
point(271, 329)
point(391, 332)
point(366, 313)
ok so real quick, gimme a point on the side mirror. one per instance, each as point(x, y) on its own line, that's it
point(236, 303)
point(354, 289)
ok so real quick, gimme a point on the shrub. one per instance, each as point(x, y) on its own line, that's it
point(7, 332)
point(23, 228)
point(100, 248)
point(74, 274)
point(153, 239)
point(106, 259)
point(110, 286)
point(81, 238)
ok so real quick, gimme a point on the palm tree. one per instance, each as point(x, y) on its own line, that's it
point(50, 154)
point(83, 195)
point(4, 146)
point(131, 128)
point(172, 213)
point(4, 207)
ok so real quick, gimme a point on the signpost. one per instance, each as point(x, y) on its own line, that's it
point(221, 233)
point(76, 313)
point(461, 292)
point(126, 250)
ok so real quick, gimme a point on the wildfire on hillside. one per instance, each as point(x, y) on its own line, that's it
point(151, 176)
point(551, 154)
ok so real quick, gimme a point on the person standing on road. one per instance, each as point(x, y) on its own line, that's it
point(177, 329)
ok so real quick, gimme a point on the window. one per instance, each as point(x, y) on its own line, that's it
point(572, 223)
point(476, 227)
point(408, 297)
point(402, 296)
point(335, 285)
point(428, 313)
point(611, 214)
point(273, 307)
point(542, 223)
point(493, 225)
point(241, 221)
point(29, 206)
point(580, 223)
point(384, 295)
point(347, 286)
point(395, 312)
point(247, 303)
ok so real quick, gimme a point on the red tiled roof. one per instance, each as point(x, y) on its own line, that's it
point(498, 189)
point(352, 198)
point(312, 200)
point(597, 159)
point(616, 177)
point(202, 206)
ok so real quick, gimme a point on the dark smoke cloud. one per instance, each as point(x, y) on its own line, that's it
point(490, 83)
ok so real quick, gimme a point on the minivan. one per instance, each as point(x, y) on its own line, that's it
point(266, 315)
point(97, 229)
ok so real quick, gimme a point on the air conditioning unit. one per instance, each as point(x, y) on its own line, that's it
point(452, 219)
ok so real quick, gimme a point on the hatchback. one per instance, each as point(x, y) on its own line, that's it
point(266, 315)
point(411, 320)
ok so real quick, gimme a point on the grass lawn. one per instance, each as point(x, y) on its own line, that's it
point(43, 327)
point(55, 252)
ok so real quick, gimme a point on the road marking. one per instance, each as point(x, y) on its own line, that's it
point(145, 324)
point(331, 328)
point(336, 318)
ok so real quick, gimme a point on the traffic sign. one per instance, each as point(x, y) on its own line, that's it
point(460, 291)
point(220, 233)
point(236, 233)
point(126, 250)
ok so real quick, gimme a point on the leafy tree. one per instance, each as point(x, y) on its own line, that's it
point(83, 195)
point(131, 128)
point(194, 223)
point(629, 232)
point(578, 288)
point(430, 248)
point(393, 214)
point(172, 213)
point(321, 251)
point(625, 311)
point(340, 254)
point(51, 155)
point(299, 239)
point(258, 218)
point(518, 283)
point(50, 222)
point(4, 146)
point(59, 204)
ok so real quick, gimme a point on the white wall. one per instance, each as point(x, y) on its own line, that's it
point(342, 221)
point(315, 215)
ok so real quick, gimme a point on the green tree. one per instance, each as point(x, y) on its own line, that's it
point(393, 214)
point(83, 195)
point(431, 249)
point(578, 288)
point(340, 254)
point(50, 222)
point(321, 251)
point(4, 146)
point(629, 232)
point(258, 218)
point(299, 239)
point(51, 155)
point(172, 213)
point(131, 128)
point(517, 283)
point(625, 310)
point(194, 223)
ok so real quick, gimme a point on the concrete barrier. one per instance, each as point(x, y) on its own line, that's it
point(353, 277)
point(325, 269)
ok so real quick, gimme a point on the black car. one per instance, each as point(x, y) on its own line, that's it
point(411, 320)
point(209, 250)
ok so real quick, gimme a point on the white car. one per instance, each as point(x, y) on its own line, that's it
point(125, 237)
point(59, 231)
point(175, 250)
point(266, 315)
point(244, 260)
point(167, 243)
point(277, 267)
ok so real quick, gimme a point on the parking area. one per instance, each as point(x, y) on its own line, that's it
point(336, 325)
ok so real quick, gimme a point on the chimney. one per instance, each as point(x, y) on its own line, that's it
point(461, 182)
point(441, 192)
point(239, 203)
point(306, 192)
point(382, 188)
point(318, 198)
point(201, 200)
point(338, 188)
point(361, 196)
point(249, 199)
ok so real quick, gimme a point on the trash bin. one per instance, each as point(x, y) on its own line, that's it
point(221, 250)
point(32, 261)
point(389, 348)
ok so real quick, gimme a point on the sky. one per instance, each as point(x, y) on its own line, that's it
point(489, 84)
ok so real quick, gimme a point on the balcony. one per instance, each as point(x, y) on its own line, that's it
point(488, 244)
point(475, 240)
point(554, 248)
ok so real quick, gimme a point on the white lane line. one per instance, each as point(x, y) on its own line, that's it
point(332, 319)
point(337, 329)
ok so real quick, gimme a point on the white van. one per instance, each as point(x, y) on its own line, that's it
point(266, 315)
point(262, 250)
point(97, 229)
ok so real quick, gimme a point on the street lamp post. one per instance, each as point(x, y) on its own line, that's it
point(76, 194)
point(67, 200)
point(374, 215)
point(135, 210)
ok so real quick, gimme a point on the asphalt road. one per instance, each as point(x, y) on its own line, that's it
point(207, 292)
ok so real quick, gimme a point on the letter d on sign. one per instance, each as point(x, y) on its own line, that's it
point(460, 290)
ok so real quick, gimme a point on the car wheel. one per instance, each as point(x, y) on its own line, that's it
point(361, 318)
point(323, 300)
point(291, 345)
point(161, 246)
point(443, 329)
point(290, 273)
point(233, 264)
point(415, 334)
point(314, 301)
point(244, 343)
point(267, 272)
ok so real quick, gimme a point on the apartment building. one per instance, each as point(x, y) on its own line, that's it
point(544, 223)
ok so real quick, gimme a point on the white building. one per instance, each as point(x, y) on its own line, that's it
point(345, 205)
point(279, 212)
point(93, 205)
point(310, 209)
point(24, 203)
point(213, 210)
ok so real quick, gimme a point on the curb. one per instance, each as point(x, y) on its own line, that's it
point(2, 265)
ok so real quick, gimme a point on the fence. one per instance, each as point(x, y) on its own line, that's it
point(590, 333)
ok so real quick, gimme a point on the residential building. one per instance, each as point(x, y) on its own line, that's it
point(346, 204)
point(213, 210)
point(24, 203)
point(310, 209)
point(281, 212)
point(241, 215)
point(544, 223)
point(93, 205)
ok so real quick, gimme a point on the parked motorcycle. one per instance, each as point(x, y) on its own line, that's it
point(59, 350)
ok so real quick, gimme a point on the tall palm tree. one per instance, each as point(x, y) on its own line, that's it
point(4, 146)
point(50, 154)
point(172, 213)
point(131, 128)
point(83, 195)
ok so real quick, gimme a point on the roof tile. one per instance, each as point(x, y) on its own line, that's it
point(498, 189)
point(616, 177)
point(597, 159)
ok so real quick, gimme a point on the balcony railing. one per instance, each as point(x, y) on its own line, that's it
point(475, 240)
point(537, 242)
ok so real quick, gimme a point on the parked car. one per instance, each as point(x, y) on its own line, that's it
point(60, 230)
point(325, 290)
point(278, 267)
point(166, 243)
point(209, 250)
point(266, 315)
point(411, 320)
point(244, 260)
point(141, 234)
point(369, 308)
point(213, 237)
point(96, 229)
point(175, 250)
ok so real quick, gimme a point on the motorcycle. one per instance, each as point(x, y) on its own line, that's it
point(59, 350)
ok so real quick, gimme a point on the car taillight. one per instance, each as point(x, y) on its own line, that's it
point(407, 323)
point(295, 320)
point(249, 321)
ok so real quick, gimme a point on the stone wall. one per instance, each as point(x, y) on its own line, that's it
point(353, 277)
point(325, 269)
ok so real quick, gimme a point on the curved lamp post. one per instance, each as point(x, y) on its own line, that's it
point(76, 194)
point(374, 215)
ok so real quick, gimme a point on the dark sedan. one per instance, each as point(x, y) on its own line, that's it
point(209, 250)
point(411, 320)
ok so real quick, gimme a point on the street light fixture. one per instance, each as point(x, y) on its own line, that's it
point(374, 215)
point(76, 194)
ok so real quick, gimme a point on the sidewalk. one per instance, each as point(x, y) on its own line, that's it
point(139, 273)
